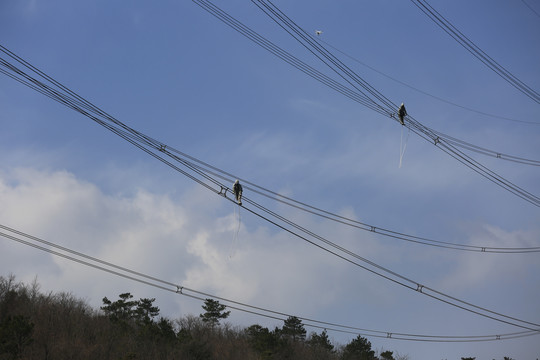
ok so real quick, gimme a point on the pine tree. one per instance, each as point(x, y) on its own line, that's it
point(294, 329)
point(321, 341)
point(145, 311)
point(214, 312)
point(358, 349)
point(121, 310)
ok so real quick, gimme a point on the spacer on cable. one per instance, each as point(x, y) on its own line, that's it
point(162, 147)
point(483, 249)
point(419, 287)
point(389, 335)
point(498, 337)
point(498, 156)
point(179, 289)
point(437, 140)
point(373, 228)
point(223, 191)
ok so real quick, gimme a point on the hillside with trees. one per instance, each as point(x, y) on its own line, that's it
point(36, 325)
point(59, 326)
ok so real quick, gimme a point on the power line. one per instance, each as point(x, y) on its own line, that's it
point(425, 92)
point(254, 188)
point(111, 268)
point(472, 48)
point(285, 56)
point(384, 103)
point(204, 168)
point(386, 273)
point(156, 149)
point(531, 8)
point(325, 56)
point(488, 152)
point(310, 71)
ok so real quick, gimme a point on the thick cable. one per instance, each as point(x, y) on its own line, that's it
point(284, 55)
point(336, 65)
point(379, 270)
point(425, 92)
point(472, 48)
point(135, 137)
point(256, 310)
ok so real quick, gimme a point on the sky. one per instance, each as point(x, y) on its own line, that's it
point(174, 72)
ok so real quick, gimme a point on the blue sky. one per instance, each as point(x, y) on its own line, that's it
point(176, 73)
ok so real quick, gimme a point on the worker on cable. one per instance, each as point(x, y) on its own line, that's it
point(237, 190)
point(402, 113)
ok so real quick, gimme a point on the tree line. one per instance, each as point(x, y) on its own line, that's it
point(36, 325)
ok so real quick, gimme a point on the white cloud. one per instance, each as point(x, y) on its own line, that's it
point(135, 232)
point(473, 269)
point(194, 239)
point(186, 242)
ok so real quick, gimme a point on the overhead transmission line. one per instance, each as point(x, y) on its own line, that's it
point(384, 104)
point(425, 92)
point(531, 8)
point(472, 48)
point(84, 109)
point(285, 56)
point(158, 150)
point(121, 271)
point(331, 83)
point(343, 220)
point(484, 151)
point(145, 143)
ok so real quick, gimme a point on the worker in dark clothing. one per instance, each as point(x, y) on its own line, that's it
point(237, 189)
point(402, 113)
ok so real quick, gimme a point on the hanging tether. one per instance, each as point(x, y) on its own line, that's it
point(403, 146)
point(234, 241)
